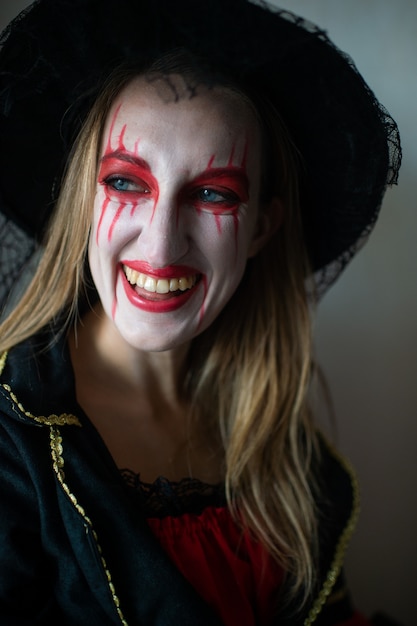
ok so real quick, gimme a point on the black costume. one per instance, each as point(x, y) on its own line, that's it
point(74, 547)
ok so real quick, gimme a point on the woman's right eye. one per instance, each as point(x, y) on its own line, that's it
point(124, 185)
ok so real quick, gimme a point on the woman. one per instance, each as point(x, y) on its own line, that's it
point(161, 465)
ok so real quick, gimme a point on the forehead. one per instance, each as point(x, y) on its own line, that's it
point(152, 108)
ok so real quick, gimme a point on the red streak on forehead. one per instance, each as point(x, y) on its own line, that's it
point(245, 155)
point(121, 137)
point(232, 154)
point(112, 125)
point(230, 163)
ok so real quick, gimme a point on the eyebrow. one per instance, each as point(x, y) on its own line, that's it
point(121, 155)
point(230, 172)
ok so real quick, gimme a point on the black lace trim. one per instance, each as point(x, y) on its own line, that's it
point(165, 498)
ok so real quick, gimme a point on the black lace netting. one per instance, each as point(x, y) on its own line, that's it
point(165, 498)
point(16, 248)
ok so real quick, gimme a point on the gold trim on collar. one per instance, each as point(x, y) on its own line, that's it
point(58, 465)
point(65, 419)
point(342, 544)
point(3, 357)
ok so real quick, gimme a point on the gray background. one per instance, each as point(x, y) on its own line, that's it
point(366, 328)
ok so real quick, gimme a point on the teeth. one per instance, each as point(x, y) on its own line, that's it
point(162, 285)
point(150, 284)
point(174, 284)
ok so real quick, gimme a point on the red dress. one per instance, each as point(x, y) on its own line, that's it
point(230, 570)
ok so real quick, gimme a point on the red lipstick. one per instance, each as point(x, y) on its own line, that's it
point(165, 305)
point(170, 271)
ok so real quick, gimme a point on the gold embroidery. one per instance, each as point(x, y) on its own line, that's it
point(342, 544)
point(65, 419)
point(337, 596)
point(58, 465)
point(3, 357)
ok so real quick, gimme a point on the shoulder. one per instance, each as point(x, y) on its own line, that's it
point(336, 492)
point(36, 384)
point(337, 504)
point(337, 489)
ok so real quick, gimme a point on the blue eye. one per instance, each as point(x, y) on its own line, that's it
point(211, 196)
point(120, 184)
point(124, 185)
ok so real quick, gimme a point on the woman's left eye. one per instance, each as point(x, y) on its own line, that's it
point(214, 196)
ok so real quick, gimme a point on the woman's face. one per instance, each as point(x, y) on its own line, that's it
point(176, 210)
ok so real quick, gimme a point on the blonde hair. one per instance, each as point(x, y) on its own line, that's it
point(60, 276)
point(250, 369)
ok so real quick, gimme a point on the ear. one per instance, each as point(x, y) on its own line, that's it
point(270, 218)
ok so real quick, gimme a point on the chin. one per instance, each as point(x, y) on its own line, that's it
point(153, 340)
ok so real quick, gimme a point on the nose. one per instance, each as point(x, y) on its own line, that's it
point(163, 239)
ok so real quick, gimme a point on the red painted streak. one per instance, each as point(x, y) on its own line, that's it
point(121, 137)
point(154, 206)
point(116, 218)
point(233, 177)
point(113, 122)
point(232, 154)
point(133, 209)
point(155, 306)
point(218, 223)
point(236, 225)
point(203, 304)
point(113, 308)
point(170, 271)
point(123, 164)
point(103, 210)
point(245, 156)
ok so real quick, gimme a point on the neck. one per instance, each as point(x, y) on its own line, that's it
point(134, 400)
point(157, 375)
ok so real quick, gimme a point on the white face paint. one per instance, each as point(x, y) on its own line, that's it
point(175, 213)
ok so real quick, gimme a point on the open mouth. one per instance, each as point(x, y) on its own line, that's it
point(158, 294)
point(155, 287)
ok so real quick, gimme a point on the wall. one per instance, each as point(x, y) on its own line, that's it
point(366, 332)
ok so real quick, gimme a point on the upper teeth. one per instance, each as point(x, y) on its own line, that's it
point(158, 285)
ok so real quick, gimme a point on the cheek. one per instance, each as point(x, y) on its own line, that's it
point(225, 244)
point(103, 274)
point(226, 239)
point(107, 214)
point(102, 247)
